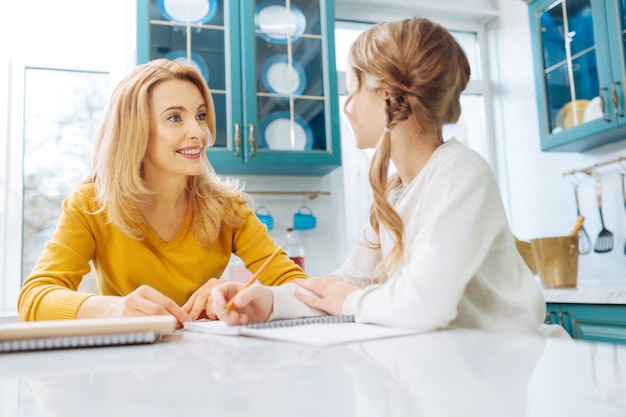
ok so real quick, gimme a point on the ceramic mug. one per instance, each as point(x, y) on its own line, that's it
point(304, 219)
point(265, 217)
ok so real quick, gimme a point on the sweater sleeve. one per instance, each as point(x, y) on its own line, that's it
point(49, 293)
point(450, 225)
point(253, 244)
point(357, 269)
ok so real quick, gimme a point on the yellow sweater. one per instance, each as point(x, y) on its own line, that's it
point(176, 268)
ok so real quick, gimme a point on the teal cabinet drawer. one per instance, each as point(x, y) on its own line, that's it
point(594, 322)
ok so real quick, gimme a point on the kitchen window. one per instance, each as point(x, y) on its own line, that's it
point(471, 128)
point(50, 155)
point(52, 91)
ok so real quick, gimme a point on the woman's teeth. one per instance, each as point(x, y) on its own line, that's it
point(189, 151)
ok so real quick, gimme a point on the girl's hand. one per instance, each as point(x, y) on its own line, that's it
point(144, 301)
point(199, 304)
point(253, 304)
point(330, 293)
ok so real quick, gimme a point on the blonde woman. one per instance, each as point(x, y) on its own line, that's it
point(437, 252)
point(156, 222)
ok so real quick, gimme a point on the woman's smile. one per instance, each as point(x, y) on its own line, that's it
point(191, 152)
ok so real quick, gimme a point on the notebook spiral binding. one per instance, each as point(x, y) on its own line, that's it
point(301, 321)
point(67, 342)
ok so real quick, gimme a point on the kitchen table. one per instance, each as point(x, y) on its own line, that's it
point(444, 373)
point(589, 292)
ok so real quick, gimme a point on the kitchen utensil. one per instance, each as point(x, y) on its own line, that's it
point(526, 252)
point(304, 219)
point(624, 197)
point(556, 259)
point(265, 217)
point(604, 241)
point(578, 226)
point(584, 241)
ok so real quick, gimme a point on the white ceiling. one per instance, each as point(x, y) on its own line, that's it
point(470, 11)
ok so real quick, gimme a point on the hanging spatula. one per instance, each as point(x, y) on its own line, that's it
point(604, 242)
point(584, 241)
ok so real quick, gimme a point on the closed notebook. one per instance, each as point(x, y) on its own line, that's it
point(60, 334)
point(319, 331)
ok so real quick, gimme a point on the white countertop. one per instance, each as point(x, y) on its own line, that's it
point(589, 292)
point(440, 374)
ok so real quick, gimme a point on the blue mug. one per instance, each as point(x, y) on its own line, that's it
point(265, 217)
point(304, 219)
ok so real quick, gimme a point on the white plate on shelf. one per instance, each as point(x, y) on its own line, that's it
point(188, 11)
point(280, 77)
point(593, 110)
point(277, 23)
point(197, 63)
point(275, 133)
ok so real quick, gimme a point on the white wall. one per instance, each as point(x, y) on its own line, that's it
point(324, 246)
point(540, 199)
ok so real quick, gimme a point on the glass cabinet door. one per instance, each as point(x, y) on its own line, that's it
point(290, 76)
point(286, 51)
point(618, 93)
point(570, 65)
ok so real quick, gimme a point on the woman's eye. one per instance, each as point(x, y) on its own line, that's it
point(174, 118)
point(201, 116)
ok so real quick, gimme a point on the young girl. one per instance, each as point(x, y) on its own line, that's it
point(156, 222)
point(437, 252)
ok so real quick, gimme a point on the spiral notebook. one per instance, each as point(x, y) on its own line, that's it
point(64, 334)
point(319, 331)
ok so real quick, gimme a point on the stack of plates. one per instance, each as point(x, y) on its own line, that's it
point(571, 114)
point(277, 23)
point(280, 77)
point(188, 11)
point(196, 62)
point(593, 110)
point(275, 133)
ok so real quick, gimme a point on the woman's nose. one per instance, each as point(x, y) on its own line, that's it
point(197, 129)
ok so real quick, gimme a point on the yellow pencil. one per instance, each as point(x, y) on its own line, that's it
point(231, 303)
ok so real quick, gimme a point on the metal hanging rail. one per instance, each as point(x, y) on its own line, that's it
point(311, 194)
point(589, 170)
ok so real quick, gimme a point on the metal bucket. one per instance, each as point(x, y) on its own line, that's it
point(556, 259)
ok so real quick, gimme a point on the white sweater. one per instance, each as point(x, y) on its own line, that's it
point(460, 266)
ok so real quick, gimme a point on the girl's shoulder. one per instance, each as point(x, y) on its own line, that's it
point(458, 157)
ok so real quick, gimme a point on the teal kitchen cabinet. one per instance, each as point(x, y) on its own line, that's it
point(270, 65)
point(597, 322)
point(579, 66)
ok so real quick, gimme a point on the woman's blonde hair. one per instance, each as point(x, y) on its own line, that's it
point(120, 145)
point(424, 69)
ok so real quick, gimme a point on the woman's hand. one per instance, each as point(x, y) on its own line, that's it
point(199, 304)
point(253, 304)
point(330, 293)
point(144, 301)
